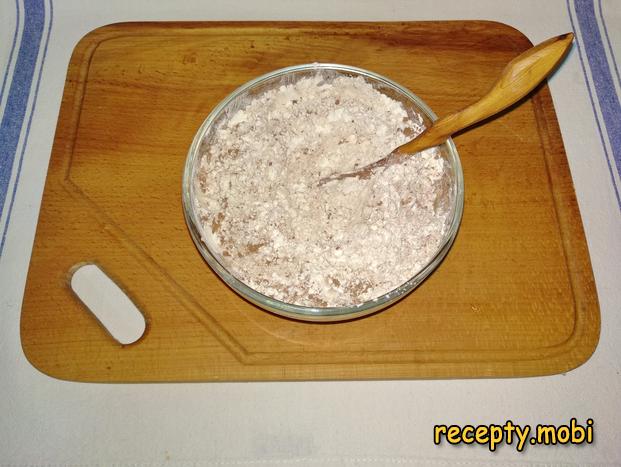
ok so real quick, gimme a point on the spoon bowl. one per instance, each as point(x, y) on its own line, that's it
point(517, 79)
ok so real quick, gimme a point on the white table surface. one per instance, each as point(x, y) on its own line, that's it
point(51, 422)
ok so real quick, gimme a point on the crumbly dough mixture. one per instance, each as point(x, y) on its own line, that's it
point(339, 244)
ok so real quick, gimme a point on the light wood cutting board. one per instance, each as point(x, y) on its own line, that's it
point(514, 297)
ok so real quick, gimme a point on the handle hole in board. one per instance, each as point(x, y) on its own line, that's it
point(108, 303)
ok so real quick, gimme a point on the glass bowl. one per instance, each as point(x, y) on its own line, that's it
point(454, 196)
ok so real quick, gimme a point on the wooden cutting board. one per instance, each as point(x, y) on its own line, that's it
point(514, 297)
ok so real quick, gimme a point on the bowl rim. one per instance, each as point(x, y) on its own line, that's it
point(300, 312)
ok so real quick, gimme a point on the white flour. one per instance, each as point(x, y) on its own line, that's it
point(339, 244)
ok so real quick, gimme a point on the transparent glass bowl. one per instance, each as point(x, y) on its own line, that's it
point(454, 196)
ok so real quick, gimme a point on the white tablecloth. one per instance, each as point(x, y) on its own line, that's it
point(46, 421)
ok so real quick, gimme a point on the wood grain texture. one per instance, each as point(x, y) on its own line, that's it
point(514, 297)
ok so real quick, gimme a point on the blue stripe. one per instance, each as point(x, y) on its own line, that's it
point(17, 101)
point(602, 77)
point(37, 13)
point(8, 65)
point(612, 53)
point(599, 127)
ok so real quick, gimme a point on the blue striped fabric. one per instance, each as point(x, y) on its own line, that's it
point(612, 53)
point(17, 101)
point(8, 65)
point(601, 85)
point(15, 119)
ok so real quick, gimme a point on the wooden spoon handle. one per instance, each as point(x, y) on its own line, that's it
point(517, 79)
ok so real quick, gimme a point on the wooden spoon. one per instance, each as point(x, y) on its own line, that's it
point(518, 78)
